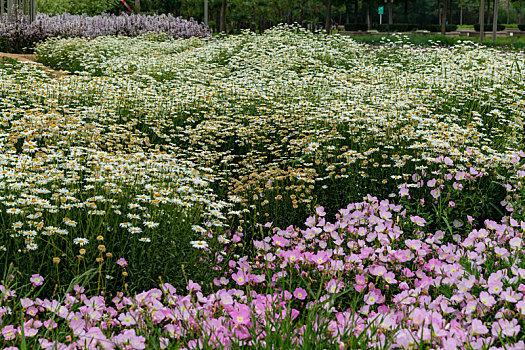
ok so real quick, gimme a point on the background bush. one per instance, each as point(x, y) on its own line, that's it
point(91, 7)
point(21, 36)
point(397, 27)
point(356, 27)
point(488, 27)
point(437, 28)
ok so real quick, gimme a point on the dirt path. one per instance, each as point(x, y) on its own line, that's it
point(31, 58)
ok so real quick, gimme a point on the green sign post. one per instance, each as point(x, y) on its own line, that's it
point(380, 10)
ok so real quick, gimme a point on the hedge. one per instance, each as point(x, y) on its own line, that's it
point(436, 28)
point(397, 27)
point(354, 27)
point(488, 27)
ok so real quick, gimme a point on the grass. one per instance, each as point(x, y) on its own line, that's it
point(517, 42)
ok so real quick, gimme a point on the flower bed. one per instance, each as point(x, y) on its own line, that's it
point(191, 193)
point(20, 36)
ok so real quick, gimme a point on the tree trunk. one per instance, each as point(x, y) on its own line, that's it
point(495, 21)
point(520, 18)
point(461, 16)
point(508, 11)
point(356, 8)
point(328, 19)
point(444, 19)
point(488, 12)
point(137, 6)
point(368, 21)
point(439, 12)
point(481, 20)
point(222, 27)
point(205, 12)
point(390, 19)
point(405, 14)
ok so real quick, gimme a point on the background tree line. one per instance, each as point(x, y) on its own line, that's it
point(259, 15)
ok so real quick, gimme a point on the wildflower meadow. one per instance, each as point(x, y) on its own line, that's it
point(263, 191)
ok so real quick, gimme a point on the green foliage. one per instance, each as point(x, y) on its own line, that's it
point(397, 27)
point(436, 28)
point(91, 7)
point(488, 27)
point(356, 27)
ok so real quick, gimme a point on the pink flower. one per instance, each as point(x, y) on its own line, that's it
point(377, 270)
point(418, 220)
point(37, 280)
point(300, 293)
point(505, 328)
point(320, 211)
point(374, 297)
point(450, 343)
point(333, 286)
point(360, 283)
point(26, 302)
point(279, 241)
point(516, 242)
point(321, 257)
point(390, 277)
point(164, 342)
point(122, 262)
point(460, 175)
point(9, 332)
point(241, 315)
point(495, 286)
point(240, 277)
point(521, 307)
point(477, 327)
point(486, 299)
point(127, 319)
point(403, 191)
point(129, 337)
point(510, 295)
point(192, 286)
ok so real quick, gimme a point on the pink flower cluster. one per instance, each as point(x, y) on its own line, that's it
point(374, 270)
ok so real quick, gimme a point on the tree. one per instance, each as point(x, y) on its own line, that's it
point(328, 19)
point(93, 7)
point(356, 8)
point(481, 20)
point(495, 21)
point(222, 25)
point(519, 10)
point(390, 16)
point(444, 19)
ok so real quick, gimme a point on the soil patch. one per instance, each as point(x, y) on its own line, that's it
point(32, 58)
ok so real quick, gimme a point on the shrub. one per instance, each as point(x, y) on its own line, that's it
point(92, 7)
point(354, 27)
point(437, 27)
point(521, 27)
point(488, 27)
point(397, 27)
point(21, 36)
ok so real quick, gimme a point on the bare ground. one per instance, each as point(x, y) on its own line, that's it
point(31, 58)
